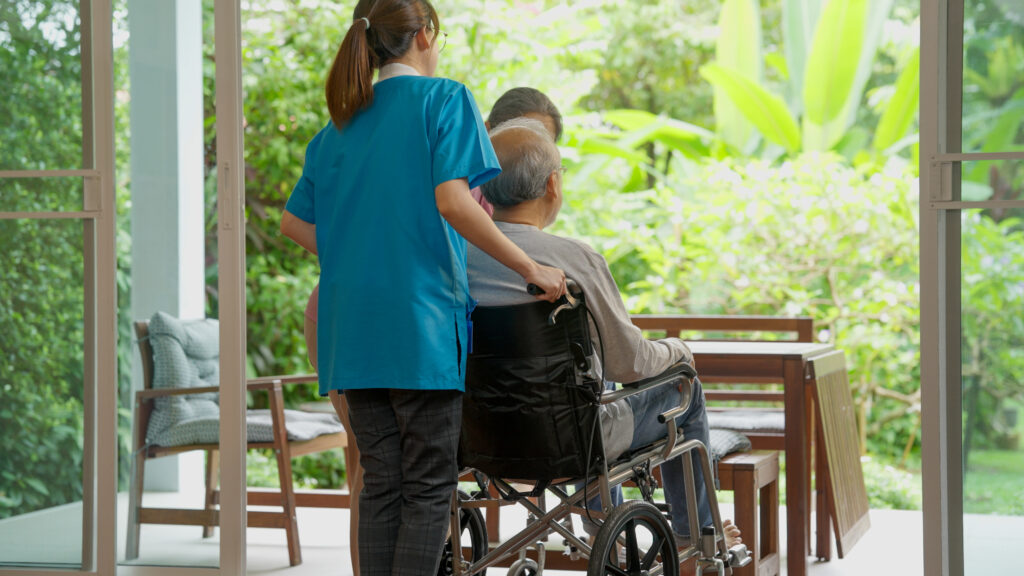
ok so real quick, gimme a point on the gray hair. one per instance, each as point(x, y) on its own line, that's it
point(531, 124)
point(525, 164)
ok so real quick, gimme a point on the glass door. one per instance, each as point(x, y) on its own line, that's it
point(57, 420)
point(115, 196)
point(972, 279)
point(181, 494)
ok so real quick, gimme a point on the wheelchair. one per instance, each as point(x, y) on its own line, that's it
point(531, 430)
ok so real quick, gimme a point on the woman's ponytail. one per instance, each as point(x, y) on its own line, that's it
point(381, 30)
point(350, 81)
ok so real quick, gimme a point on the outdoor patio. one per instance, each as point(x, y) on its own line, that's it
point(267, 554)
point(893, 543)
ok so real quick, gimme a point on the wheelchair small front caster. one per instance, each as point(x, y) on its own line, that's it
point(523, 567)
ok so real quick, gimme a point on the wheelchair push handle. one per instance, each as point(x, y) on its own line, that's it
point(572, 288)
point(572, 297)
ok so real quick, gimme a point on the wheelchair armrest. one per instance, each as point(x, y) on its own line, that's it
point(672, 375)
point(677, 369)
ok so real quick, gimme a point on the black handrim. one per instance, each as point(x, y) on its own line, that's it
point(620, 529)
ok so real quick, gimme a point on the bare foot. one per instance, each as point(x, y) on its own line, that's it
point(732, 534)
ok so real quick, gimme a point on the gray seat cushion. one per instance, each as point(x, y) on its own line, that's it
point(725, 442)
point(301, 426)
point(748, 420)
point(186, 354)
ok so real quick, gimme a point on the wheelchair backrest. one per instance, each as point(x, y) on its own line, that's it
point(530, 412)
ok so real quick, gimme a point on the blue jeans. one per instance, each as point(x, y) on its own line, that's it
point(646, 407)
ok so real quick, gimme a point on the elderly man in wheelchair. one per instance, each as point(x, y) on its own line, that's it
point(539, 419)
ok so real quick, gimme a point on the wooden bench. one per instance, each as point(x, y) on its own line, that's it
point(753, 478)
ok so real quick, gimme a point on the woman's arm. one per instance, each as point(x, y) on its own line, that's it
point(471, 221)
point(302, 232)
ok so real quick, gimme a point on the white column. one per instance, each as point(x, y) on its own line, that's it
point(168, 258)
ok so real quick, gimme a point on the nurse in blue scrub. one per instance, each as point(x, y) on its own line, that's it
point(384, 202)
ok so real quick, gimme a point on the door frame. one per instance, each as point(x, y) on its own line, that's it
point(98, 214)
point(99, 263)
point(941, 158)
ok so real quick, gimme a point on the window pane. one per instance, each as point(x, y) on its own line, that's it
point(40, 85)
point(41, 392)
point(164, 78)
point(992, 300)
point(41, 194)
point(992, 180)
point(993, 105)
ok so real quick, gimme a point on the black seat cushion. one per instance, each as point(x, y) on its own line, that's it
point(528, 412)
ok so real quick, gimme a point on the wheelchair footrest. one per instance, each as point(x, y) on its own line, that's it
point(738, 556)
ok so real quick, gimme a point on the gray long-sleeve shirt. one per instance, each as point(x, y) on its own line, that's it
point(628, 356)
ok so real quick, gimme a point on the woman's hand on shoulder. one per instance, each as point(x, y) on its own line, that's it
point(550, 280)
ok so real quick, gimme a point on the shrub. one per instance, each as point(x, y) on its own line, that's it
point(890, 487)
point(813, 236)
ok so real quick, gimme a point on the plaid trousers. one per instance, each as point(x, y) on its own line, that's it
point(408, 440)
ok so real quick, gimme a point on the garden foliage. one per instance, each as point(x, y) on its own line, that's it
point(733, 157)
point(41, 264)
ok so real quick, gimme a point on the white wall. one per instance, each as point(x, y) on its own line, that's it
point(168, 259)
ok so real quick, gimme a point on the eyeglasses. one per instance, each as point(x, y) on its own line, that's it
point(444, 37)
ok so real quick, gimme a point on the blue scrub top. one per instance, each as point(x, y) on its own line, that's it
point(394, 297)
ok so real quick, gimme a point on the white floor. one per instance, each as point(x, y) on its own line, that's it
point(877, 553)
point(893, 545)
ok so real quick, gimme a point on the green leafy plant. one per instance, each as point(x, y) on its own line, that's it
point(738, 58)
point(828, 70)
point(902, 108)
point(41, 297)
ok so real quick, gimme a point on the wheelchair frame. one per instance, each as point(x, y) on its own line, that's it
point(709, 549)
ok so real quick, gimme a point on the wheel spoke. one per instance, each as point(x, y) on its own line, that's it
point(614, 570)
point(632, 548)
point(652, 554)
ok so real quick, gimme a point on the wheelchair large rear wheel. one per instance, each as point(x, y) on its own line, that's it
point(473, 536)
point(634, 539)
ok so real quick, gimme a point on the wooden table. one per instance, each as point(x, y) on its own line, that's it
point(786, 363)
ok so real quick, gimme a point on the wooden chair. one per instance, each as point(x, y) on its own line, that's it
point(287, 497)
